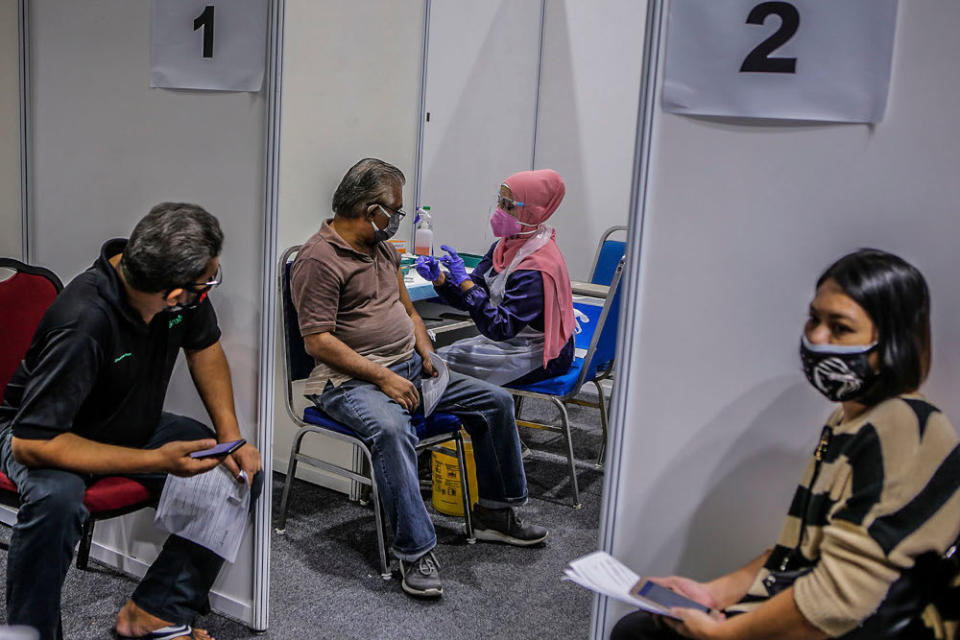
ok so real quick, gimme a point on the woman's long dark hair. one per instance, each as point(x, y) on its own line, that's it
point(895, 296)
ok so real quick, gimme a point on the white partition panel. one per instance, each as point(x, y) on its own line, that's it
point(589, 90)
point(105, 149)
point(714, 418)
point(9, 130)
point(481, 92)
point(351, 89)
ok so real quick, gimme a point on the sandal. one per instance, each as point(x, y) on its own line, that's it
point(164, 633)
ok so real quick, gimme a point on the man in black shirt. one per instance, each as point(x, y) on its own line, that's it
point(87, 401)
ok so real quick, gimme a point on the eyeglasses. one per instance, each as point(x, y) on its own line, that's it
point(506, 203)
point(204, 287)
point(387, 210)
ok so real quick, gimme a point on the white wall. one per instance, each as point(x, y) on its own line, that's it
point(106, 148)
point(9, 131)
point(481, 94)
point(499, 104)
point(351, 89)
point(589, 93)
point(741, 219)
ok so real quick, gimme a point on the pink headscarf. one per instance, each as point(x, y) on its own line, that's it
point(541, 192)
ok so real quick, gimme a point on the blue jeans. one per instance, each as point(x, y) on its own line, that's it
point(49, 525)
point(486, 412)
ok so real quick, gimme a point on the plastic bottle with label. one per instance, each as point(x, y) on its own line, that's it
point(423, 232)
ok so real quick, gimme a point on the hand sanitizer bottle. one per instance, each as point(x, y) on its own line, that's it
point(423, 232)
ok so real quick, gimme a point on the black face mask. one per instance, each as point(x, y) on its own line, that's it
point(839, 372)
point(197, 301)
point(382, 235)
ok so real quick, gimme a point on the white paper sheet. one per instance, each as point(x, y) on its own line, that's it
point(432, 388)
point(601, 572)
point(210, 509)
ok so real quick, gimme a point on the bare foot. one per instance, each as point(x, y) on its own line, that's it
point(134, 622)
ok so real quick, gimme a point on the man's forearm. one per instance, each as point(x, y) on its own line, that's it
point(76, 453)
point(776, 619)
point(731, 588)
point(424, 345)
point(332, 352)
point(211, 376)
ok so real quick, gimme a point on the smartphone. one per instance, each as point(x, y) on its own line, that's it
point(664, 597)
point(220, 450)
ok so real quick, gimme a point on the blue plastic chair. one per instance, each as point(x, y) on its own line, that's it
point(297, 364)
point(596, 346)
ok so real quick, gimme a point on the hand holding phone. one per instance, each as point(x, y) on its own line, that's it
point(219, 451)
point(666, 598)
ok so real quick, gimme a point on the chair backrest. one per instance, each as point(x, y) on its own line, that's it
point(297, 364)
point(24, 297)
point(608, 257)
point(603, 344)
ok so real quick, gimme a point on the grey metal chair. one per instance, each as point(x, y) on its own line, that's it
point(438, 429)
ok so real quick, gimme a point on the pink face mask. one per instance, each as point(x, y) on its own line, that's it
point(504, 224)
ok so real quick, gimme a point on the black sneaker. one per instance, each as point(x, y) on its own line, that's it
point(503, 525)
point(422, 576)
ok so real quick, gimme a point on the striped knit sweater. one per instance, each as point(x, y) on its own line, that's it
point(885, 490)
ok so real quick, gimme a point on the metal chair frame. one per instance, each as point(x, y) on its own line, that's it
point(608, 374)
point(603, 238)
point(561, 401)
point(432, 443)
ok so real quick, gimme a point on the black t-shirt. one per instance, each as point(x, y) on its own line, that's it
point(95, 368)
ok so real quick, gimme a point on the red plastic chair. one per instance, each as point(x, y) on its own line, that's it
point(25, 297)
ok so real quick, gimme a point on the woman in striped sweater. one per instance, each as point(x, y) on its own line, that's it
point(861, 554)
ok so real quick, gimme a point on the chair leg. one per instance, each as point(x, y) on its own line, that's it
point(566, 434)
point(603, 424)
point(379, 517)
point(288, 482)
point(363, 491)
point(465, 490)
point(86, 540)
point(517, 406)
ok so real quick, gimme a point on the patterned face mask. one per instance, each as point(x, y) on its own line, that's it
point(839, 372)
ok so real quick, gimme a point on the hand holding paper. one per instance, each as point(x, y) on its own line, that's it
point(432, 388)
point(209, 509)
point(601, 572)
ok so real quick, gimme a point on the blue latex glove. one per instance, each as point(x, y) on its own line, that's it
point(428, 268)
point(454, 264)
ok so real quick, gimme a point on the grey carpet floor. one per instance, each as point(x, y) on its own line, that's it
point(325, 580)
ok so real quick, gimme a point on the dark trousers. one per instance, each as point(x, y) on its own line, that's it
point(640, 625)
point(49, 525)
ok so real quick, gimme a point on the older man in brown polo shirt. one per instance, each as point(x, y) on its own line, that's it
point(371, 350)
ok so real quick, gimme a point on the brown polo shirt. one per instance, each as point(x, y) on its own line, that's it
point(353, 296)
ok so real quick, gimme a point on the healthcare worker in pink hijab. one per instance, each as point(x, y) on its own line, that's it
point(519, 295)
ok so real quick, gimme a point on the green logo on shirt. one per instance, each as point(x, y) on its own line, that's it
point(176, 321)
point(122, 357)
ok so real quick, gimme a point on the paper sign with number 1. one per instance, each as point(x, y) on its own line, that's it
point(799, 60)
point(208, 44)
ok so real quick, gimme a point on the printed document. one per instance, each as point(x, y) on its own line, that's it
point(432, 388)
point(209, 509)
point(601, 572)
